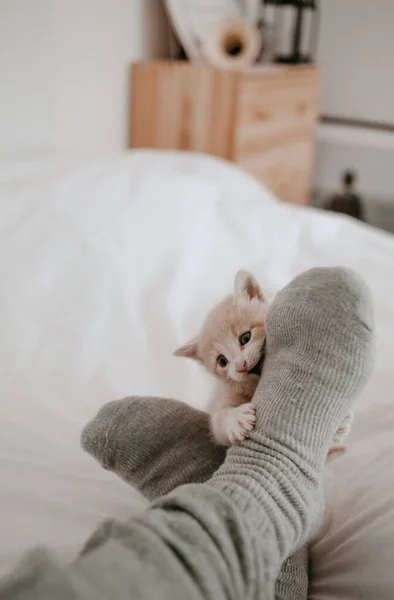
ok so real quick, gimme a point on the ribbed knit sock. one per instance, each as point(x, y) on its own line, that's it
point(319, 353)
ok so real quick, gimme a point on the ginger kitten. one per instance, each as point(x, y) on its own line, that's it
point(231, 346)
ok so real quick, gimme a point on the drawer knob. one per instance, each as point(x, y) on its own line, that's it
point(261, 114)
point(302, 107)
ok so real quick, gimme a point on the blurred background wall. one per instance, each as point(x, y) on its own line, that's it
point(64, 68)
point(356, 47)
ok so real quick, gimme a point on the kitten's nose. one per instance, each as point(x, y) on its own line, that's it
point(243, 368)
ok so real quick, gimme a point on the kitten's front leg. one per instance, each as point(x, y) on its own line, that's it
point(232, 416)
point(233, 423)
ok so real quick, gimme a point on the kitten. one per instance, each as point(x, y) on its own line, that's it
point(231, 346)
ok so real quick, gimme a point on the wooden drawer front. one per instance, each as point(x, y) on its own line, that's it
point(285, 170)
point(275, 110)
point(182, 107)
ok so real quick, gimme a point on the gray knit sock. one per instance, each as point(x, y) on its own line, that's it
point(319, 354)
point(145, 442)
point(155, 444)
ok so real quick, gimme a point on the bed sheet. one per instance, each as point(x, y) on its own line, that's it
point(106, 267)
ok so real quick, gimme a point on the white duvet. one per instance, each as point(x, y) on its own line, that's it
point(105, 269)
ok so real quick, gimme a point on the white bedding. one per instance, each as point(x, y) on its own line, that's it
point(105, 269)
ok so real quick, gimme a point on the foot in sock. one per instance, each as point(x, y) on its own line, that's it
point(319, 354)
point(135, 438)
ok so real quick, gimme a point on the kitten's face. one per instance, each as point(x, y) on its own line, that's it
point(231, 341)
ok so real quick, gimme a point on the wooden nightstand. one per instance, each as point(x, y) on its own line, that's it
point(263, 119)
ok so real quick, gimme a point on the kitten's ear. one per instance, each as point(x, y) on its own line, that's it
point(246, 286)
point(189, 350)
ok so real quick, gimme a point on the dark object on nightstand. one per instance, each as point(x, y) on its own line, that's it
point(302, 45)
point(348, 202)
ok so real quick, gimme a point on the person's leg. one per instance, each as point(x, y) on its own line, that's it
point(228, 537)
point(157, 444)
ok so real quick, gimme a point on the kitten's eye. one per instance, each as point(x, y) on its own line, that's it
point(222, 361)
point(245, 338)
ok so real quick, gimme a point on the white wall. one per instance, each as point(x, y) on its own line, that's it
point(356, 51)
point(64, 68)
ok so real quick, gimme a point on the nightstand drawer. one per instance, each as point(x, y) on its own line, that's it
point(285, 169)
point(278, 109)
point(263, 119)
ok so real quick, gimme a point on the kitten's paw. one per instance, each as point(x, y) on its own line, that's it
point(336, 450)
point(340, 434)
point(241, 420)
point(344, 428)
